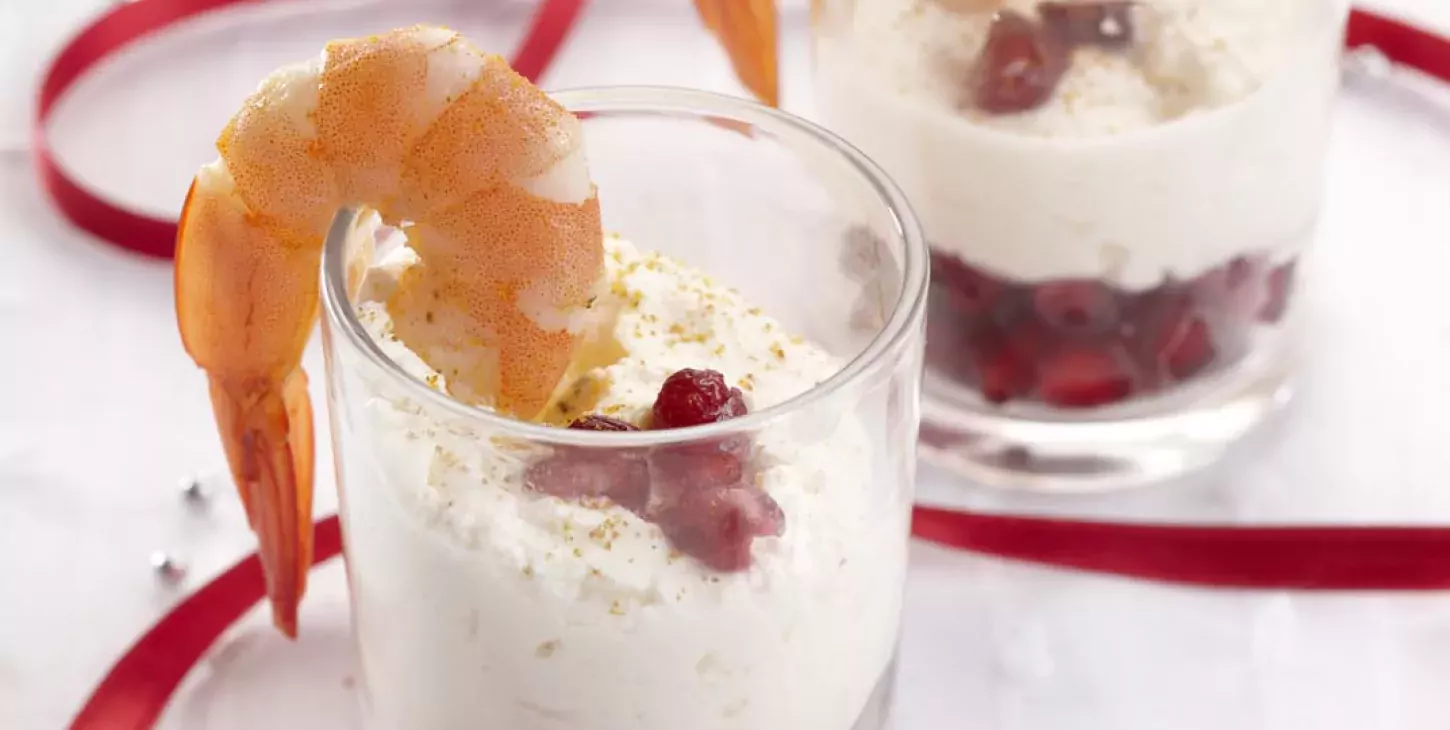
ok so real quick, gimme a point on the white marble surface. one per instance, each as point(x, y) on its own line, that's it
point(101, 413)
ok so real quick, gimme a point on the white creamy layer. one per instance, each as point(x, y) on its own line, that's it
point(1204, 141)
point(479, 604)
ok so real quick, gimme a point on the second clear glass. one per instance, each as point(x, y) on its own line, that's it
point(1117, 196)
point(477, 603)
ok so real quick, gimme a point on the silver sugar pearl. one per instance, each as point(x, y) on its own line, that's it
point(167, 567)
point(193, 490)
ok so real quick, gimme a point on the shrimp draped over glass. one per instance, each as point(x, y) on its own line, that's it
point(486, 176)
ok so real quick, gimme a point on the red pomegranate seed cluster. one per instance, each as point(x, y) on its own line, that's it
point(701, 494)
point(1078, 343)
point(1023, 59)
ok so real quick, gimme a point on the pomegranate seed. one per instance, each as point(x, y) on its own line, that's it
point(682, 475)
point(1185, 347)
point(694, 397)
point(1233, 289)
point(1082, 377)
point(695, 467)
point(764, 517)
point(1239, 272)
point(971, 291)
point(1177, 340)
point(602, 423)
point(1211, 288)
point(1020, 66)
point(633, 493)
point(718, 526)
point(577, 473)
point(947, 333)
point(1030, 341)
point(1001, 378)
point(1280, 287)
point(1014, 309)
point(1103, 24)
point(1076, 308)
point(1005, 364)
point(1145, 308)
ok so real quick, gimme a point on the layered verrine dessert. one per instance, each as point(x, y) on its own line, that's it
point(1117, 194)
point(706, 527)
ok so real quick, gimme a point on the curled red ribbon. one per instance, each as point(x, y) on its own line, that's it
point(130, 21)
point(136, 690)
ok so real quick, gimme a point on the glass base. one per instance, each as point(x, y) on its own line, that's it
point(877, 713)
point(1141, 443)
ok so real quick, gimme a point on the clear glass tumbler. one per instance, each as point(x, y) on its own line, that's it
point(1116, 195)
point(478, 603)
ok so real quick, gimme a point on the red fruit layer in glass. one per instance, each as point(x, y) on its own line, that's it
point(702, 494)
point(1080, 343)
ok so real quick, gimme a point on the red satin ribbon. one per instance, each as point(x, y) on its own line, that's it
point(136, 690)
point(1401, 42)
point(1213, 556)
point(127, 22)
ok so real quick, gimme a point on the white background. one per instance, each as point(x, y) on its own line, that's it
point(101, 413)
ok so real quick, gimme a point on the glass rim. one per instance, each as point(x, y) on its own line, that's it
point(668, 101)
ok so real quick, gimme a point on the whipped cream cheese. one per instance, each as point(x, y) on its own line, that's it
point(479, 603)
point(1202, 141)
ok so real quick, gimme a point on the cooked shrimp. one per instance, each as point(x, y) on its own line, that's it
point(487, 177)
point(747, 30)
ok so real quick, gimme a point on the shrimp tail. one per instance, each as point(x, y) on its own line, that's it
point(266, 428)
point(747, 30)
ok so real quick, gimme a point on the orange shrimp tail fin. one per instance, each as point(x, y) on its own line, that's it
point(747, 30)
point(267, 432)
